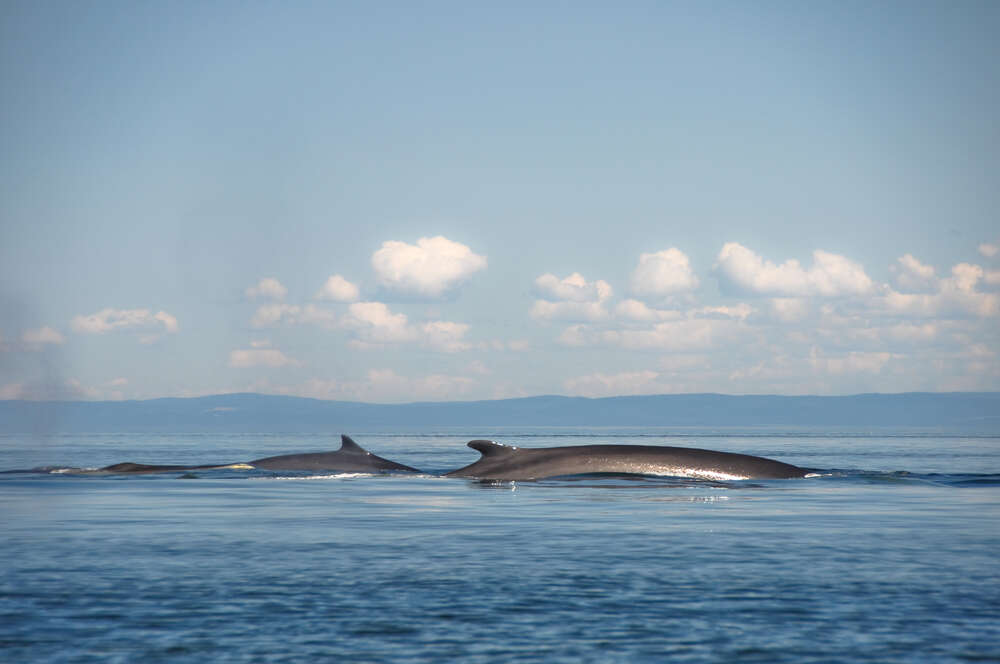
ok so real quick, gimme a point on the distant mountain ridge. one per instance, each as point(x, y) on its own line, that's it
point(259, 413)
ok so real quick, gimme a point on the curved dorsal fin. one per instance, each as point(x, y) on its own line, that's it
point(348, 445)
point(491, 449)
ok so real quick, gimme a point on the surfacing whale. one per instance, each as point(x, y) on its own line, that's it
point(504, 462)
point(350, 458)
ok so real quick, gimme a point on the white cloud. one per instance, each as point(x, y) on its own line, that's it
point(663, 273)
point(36, 339)
point(577, 336)
point(910, 333)
point(603, 385)
point(445, 336)
point(338, 289)
point(740, 311)
point(689, 334)
point(912, 276)
point(639, 311)
point(433, 387)
point(272, 314)
point(109, 319)
point(268, 287)
point(269, 315)
point(577, 299)
point(849, 363)
point(831, 275)
point(634, 310)
point(259, 357)
point(590, 311)
point(430, 268)
point(679, 363)
point(964, 277)
point(956, 295)
point(169, 322)
point(374, 323)
point(989, 250)
point(573, 288)
point(789, 309)
point(385, 385)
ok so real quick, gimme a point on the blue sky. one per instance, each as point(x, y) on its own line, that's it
point(391, 202)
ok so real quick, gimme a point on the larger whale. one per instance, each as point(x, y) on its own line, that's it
point(505, 462)
point(350, 458)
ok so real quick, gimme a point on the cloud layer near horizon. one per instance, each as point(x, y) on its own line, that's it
point(824, 326)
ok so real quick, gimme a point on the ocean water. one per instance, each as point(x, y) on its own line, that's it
point(892, 554)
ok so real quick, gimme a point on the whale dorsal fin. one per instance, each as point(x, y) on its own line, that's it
point(348, 445)
point(490, 449)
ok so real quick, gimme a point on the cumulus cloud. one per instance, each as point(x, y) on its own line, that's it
point(640, 311)
point(107, 320)
point(989, 250)
point(604, 385)
point(592, 311)
point(374, 323)
point(385, 385)
point(370, 325)
point(849, 363)
point(577, 336)
point(43, 336)
point(831, 275)
point(957, 295)
point(740, 311)
point(169, 322)
point(339, 289)
point(431, 268)
point(445, 336)
point(268, 287)
point(663, 273)
point(269, 315)
point(789, 309)
point(259, 357)
point(576, 298)
point(681, 335)
point(912, 276)
point(573, 288)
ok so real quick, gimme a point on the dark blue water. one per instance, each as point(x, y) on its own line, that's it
point(892, 555)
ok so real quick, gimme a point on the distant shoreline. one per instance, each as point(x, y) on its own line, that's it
point(248, 413)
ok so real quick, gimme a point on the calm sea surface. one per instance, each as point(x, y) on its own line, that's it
point(892, 555)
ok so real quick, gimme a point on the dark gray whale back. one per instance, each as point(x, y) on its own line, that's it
point(351, 457)
point(503, 462)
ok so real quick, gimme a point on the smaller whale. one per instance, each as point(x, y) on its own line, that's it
point(503, 462)
point(350, 458)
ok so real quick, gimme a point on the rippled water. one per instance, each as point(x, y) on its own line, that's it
point(891, 555)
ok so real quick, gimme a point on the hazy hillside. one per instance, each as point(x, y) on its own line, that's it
point(979, 412)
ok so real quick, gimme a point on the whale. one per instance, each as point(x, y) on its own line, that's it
point(507, 462)
point(350, 458)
